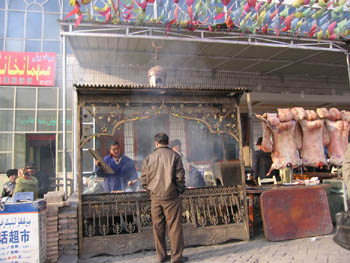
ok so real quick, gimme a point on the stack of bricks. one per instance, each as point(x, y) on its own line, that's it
point(54, 200)
point(68, 230)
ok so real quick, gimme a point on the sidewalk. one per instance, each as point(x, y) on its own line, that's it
point(315, 249)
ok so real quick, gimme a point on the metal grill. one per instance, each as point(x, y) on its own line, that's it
point(130, 213)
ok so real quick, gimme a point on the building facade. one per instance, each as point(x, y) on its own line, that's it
point(31, 127)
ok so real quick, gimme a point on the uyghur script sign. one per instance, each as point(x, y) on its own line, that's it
point(27, 68)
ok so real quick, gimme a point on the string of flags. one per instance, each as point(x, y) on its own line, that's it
point(321, 19)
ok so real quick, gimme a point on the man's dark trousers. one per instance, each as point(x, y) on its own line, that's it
point(169, 213)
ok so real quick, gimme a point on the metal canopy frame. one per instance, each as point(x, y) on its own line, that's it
point(159, 33)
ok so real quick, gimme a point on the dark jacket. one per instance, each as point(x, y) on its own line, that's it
point(124, 171)
point(163, 174)
point(43, 183)
point(262, 163)
point(8, 189)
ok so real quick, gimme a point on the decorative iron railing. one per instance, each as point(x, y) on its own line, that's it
point(128, 213)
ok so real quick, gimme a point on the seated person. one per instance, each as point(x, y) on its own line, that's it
point(193, 177)
point(124, 170)
point(9, 186)
point(26, 183)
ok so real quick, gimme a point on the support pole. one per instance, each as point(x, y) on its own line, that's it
point(64, 100)
point(251, 130)
point(75, 141)
point(348, 64)
point(241, 158)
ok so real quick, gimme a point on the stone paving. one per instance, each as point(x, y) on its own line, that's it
point(315, 249)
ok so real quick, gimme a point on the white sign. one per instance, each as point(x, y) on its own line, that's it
point(20, 237)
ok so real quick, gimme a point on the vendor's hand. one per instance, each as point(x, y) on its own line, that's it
point(97, 163)
point(131, 182)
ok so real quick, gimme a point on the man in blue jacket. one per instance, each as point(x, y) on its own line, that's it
point(124, 170)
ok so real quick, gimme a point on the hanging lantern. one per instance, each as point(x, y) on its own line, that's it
point(157, 76)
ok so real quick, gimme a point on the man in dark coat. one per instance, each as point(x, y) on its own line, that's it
point(43, 179)
point(262, 162)
point(124, 170)
point(163, 176)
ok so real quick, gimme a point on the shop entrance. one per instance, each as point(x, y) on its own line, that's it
point(40, 149)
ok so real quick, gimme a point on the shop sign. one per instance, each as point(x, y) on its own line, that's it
point(20, 237)
point(27, 68)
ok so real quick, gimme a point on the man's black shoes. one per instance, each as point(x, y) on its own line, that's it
point(183, 259)
point(166, 259)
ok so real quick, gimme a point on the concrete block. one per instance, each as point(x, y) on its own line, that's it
point(68, 221)
point(55, 196)
point(68, 231)
point(66, 242)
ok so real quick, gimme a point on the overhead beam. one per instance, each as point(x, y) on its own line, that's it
point(226, 59)
point(230, 58)
point(292, 63)
point(258, 62)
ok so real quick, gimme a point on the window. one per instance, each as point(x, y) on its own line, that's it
point(5, 142)
point(51, 27)
point(15, 24)
point(5, 162)
point(25, 98)
point(14, 45)
point(69, 161)
point(46, 120)
point(69, 141)
point(33, 46)
point(52, 6)
point(6, 97)
point(2, 22)
point(68, 120)
point(51, 46)
point(34, 23)
point(17, 4)
point(6, 120)
point(47, 98)
point(30, 24)
point(25, 120)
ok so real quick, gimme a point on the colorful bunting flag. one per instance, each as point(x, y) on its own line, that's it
point(309, 18)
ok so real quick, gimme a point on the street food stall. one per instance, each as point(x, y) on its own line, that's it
point(120, 222)
point(208, 123)
point(302, 140)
